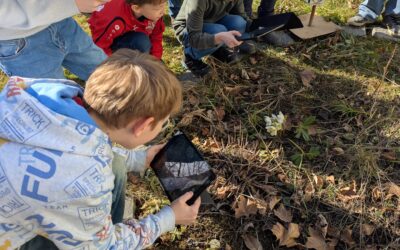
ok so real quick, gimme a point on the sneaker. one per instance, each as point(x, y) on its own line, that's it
point(197, 67)
point(226, 55)
point(278, 38)
point(247, 47)
point(392, 23)
point(359, 21)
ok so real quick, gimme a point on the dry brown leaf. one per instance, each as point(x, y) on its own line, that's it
point(273, 200)
point(338, 151)
point(318, 181)
point(193, 100)
point(269, 189)
point(219, 113)
point(234, 77)
point(252, 242)
point(348, 193)
point(331, 179)
point(245, 207)
point(316, 240)
point(228, 247)
point(307, 76)
point(286, 237)
point(245, 75)
point(377, 193)
point(367, 229)
point(322, 225)
point(394, 189)
point(212, 145)
point(283, 214)
point(309, 191)
point(346, 236)
point(262, 207)
point(312, 130)
point(222, 192)
point(254, 75)
point(233, 90)
point(252, 60)
point(390, 155)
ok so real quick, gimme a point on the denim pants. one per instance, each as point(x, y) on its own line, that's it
point(117, 206)
point(42, 55)
point(371, 9)
point(173, 7)
point(265, 8)
point(132, 40)
point(228, 22)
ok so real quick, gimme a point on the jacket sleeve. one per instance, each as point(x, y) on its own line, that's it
point(135, 158)
point(28, 14)
point(238, 9)
point(156, 39)
point(194, 25)
point(104, 33)
point(87, 224)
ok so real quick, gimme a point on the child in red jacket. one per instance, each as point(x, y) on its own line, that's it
point(132, 24)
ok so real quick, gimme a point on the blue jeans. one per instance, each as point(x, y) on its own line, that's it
point(371, 9)
point(266, 7)
point(228, 22)
point(132, 40)
point(117, 206)
point(173, 7)
point(42, 55)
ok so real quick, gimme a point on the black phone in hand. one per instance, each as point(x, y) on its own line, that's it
point(181, 168)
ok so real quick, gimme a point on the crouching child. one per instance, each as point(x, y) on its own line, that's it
point(132, 24)
point(57, 184)
point(210, 27)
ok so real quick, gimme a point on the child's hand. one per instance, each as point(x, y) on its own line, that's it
point(185, 214)
point(88, 6)
point(228, 38)
point(151, 152)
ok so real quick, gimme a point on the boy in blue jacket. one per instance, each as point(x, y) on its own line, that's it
point(56, 155)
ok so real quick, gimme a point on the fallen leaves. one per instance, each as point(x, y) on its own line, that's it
point(307, 76)
point(316, 240)
point(285, 236)
point(283, 214)
point(348, 193)
point(367, 229)
point(247, 206)
point(252, 242)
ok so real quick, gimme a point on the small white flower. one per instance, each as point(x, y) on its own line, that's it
point(274, 123)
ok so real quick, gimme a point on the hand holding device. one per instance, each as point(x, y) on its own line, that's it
point(185, 214)
point(88, 6)
point(229, 38)
point(181, 168)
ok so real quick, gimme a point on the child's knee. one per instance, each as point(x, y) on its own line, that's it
point(142, 42)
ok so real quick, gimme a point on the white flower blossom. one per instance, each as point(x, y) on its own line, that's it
point(274, 123)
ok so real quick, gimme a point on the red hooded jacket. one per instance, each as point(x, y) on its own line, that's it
point(115, 19)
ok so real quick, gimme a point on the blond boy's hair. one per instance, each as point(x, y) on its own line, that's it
point(142, 2)
point(130, 85)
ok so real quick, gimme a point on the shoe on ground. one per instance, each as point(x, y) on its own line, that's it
point(226, 55)
point(197, 67)
point(279, 38)
point(247, 47)
point(359, 21)
point(391, 21)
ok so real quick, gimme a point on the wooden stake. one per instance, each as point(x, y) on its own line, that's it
point(314, 8)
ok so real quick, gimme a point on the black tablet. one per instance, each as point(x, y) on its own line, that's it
point(181, 168)
point(259, 33)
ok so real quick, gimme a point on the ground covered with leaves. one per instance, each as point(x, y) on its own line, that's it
point(324, 174)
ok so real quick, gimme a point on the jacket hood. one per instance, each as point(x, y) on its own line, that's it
point(42, 113)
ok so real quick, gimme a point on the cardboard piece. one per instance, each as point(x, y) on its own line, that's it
point(319, 27)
